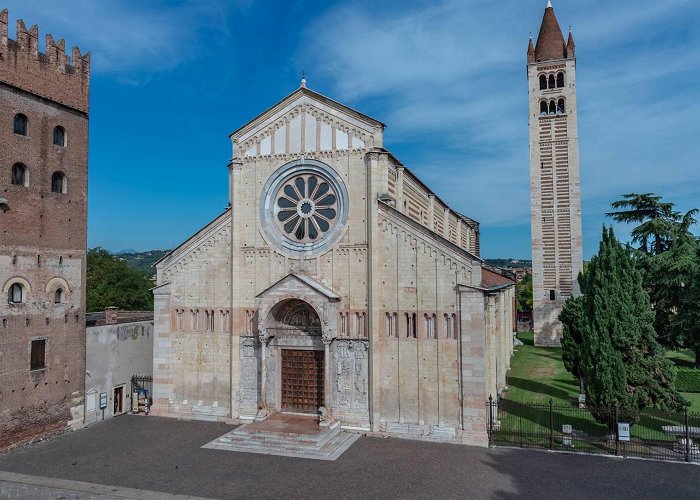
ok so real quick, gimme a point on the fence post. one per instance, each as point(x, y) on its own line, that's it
point(687, 436)
point(551, 423)
point(490, 419)
point(617, 433)
point(520, 422)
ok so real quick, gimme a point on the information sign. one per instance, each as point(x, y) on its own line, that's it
point(623, 431)
point(103, 400)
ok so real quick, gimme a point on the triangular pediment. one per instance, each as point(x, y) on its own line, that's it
point(306, 122)
point(297, 284)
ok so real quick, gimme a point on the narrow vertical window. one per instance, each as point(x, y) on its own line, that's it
point(561, 107)
point(455, 327)
point(552, 295)
point(552, 83)
point(560, 80)
point(38, 355)
point(19, 175)
point(58, 296)
point(15, 293)
point(59, 136)
point(20, 124)
point(59, 183)
point(543, 108)
point(552, 108)
point(543, 82)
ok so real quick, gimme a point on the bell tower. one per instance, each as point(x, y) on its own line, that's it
point(555, 194)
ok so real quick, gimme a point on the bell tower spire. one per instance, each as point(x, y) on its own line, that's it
point(555, 198)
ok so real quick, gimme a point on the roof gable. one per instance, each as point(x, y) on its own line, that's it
point(299, 281)
point(306, 121)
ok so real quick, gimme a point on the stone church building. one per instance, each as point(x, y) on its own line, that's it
point(335, 279)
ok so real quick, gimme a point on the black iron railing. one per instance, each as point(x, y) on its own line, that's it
point(653, 434)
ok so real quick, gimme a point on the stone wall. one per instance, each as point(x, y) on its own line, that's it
point(115, 353)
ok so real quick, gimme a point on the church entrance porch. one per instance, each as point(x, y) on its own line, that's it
point(303, 378)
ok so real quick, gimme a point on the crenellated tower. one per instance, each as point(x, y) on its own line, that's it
point(44, 104)
point(555, 194)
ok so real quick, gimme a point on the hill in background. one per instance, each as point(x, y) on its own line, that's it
point(142, 261)
point(509, 263)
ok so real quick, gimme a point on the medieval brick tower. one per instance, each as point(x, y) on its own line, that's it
point(43, 213)
point(557, 255)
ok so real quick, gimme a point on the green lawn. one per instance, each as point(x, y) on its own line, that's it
point(537, 374)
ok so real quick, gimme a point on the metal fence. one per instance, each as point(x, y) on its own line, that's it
point(654, 434)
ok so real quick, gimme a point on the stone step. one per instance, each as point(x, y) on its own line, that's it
point(329, 448)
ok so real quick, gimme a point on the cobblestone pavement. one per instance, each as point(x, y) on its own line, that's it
point(19, 490)
point(165, 455)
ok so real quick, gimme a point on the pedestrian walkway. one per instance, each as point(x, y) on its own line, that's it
point(24, 486)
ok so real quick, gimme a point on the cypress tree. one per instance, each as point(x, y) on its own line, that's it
point(621, 360)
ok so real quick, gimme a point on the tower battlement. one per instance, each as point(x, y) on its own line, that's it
point(51, 74)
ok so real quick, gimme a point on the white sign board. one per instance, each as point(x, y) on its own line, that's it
point(623, 431)
point(91, 401)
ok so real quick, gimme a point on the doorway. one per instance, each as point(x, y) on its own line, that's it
point(302, 380)
point(118, 400)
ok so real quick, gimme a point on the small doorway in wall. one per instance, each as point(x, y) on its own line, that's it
point(118, 400)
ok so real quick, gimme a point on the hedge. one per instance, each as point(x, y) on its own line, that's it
point(688, 380)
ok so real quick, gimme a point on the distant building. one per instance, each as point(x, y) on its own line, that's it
point(43, 202)
point(119, 346)
point(337, 279)
point(557, 254)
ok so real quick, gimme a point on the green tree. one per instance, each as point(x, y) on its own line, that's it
point(573, 322)
point(621, 360)
point(655, 219)
point(675, 290)
point(111, 282)
point(523, 293)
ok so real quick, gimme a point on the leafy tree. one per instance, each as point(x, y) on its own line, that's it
point(573, 322)
point(655, 219)
point(523, 293)
point(111, 282)
point(675, 290)
point(620, 359)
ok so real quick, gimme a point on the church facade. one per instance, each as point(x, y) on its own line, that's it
point(337, 283)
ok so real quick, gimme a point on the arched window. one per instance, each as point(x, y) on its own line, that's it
point(16, 294)
point(455, 327)
point(20, 124)
point(19, 175)
point(59, 183)
point(59, 136)
point(560, 80)
point(58, 296)
point(552, 108)
point(561, 106)
point(552, 83)
point(543, 108)
point(543, 82)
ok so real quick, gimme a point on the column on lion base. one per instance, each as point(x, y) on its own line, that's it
point(264, 411)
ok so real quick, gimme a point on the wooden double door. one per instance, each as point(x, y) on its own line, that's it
point(302, 380)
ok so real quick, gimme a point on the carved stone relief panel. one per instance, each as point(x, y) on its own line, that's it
point(250, 372)
point(350, 376)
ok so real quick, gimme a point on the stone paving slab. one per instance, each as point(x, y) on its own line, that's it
point(165, 454)
point(13, 485)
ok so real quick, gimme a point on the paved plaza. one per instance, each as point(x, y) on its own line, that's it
point(131, 457)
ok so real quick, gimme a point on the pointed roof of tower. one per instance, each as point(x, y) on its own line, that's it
point(570, 45)
point(550, 41)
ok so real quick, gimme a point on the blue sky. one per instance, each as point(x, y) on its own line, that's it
point(171, 79)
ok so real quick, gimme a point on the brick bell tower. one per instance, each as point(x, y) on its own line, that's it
point(555, 193)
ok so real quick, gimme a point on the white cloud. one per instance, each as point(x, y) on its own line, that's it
point(124, 37)
point(449, 80)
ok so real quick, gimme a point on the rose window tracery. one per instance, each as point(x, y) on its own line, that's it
point(304, 207)
point(307, 207)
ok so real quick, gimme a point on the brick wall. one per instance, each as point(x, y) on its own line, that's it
point(42, 235)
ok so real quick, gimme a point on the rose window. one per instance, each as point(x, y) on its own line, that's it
point(306, 207)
